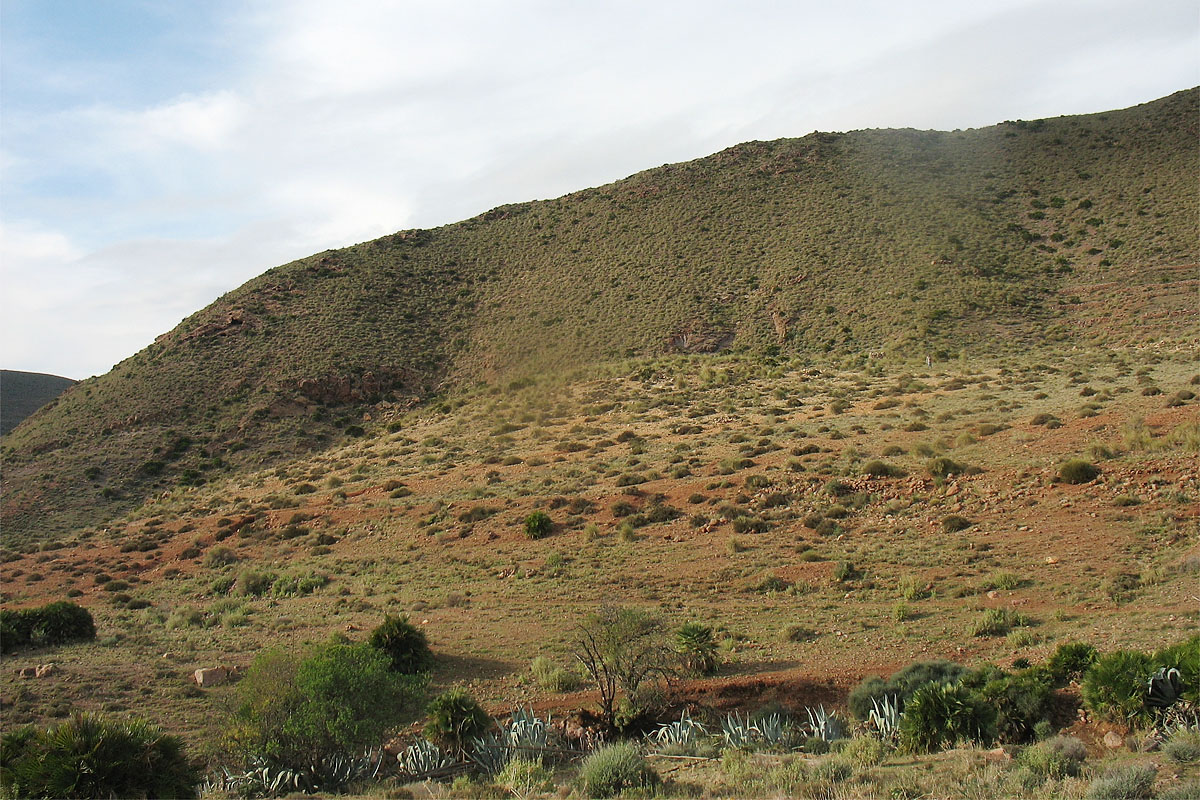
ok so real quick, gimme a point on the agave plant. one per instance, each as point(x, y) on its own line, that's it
point(524, 731)
point(738, 730)
point(884, 717)
point(264, 777)
point(682, 733)
point(772, 729)
point(421, 758)
point(1164, 687)
point(824, 725)
point(524, 734)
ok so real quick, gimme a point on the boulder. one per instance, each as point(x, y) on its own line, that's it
point(1113, 740)
point(211, 676)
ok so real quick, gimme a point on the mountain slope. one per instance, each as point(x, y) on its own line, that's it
point(900, 243)
point(22, 393)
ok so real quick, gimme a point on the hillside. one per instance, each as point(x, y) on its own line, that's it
point(1076, 231)
point(22, 393)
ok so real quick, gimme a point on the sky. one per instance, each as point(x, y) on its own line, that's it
point(155, 155)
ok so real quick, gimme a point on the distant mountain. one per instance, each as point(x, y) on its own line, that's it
point(1060, 232)
point(22, 393)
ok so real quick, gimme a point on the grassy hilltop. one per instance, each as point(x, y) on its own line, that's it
point(1061, 232)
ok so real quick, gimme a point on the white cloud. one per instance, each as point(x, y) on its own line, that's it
point(338, 122)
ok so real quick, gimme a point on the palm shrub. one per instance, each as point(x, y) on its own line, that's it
point(94, 756)
point(1021, 702)
point(1114, 688)
point(940, 715)
point(615, 769)
point(696, 648)
point(901, 685)
point(1070, 660)
point(455, 718)
point(404, 644)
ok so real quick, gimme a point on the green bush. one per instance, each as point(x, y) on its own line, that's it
point(338, 700)
point(1057, 757)
point(455, 718)
point(538, 525)
point(697, 649)
point(1078, 471)
point(92, 756)
point(52, 624)
point(1070, 660)
point(1021, 702)
point(1133, 782)
point(1114, 688)
point(940, 715)
point(882, 469)
point(614, 769)
point(404, 644)
point(902, 684)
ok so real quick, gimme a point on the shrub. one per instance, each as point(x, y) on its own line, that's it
point(52, 624)
point(1078, 471)
point(696, 648)
point(404, 644)
point(881, 469)
point(455, 718)
point(525, 777)
point(614, 769)
point(1057, 757)
point(1021, 702)
point(954, 523)
point(997, 622)
point(552, 677)
point(1114, 688)
point(1183, 747)
point(538, 525)
point(902, 684)
point(254, 583)
point(942, 468)
point(92, 756)
point(1133, 782)
point(340, 699)
point(220, 556)
point(940, 715)
point(1070, 660)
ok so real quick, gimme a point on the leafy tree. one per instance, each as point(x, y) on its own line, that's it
point(340, 699)
point(622, 649)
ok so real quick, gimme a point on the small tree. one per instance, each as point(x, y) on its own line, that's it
point(622, 649)
point(404, 643)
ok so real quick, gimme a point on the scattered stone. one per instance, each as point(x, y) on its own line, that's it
point(1113, 740)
